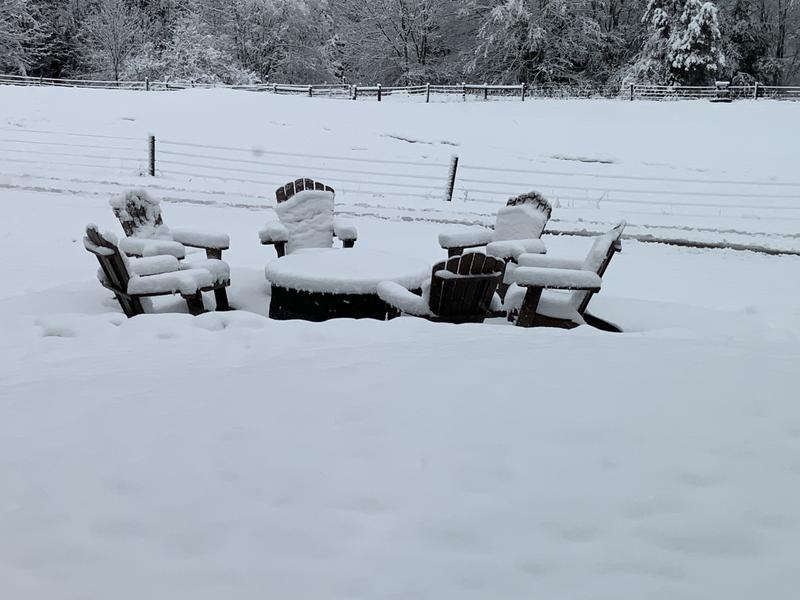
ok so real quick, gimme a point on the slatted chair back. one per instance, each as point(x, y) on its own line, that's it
point(523, 217)
point(139, 214)
point(466, 295)
point(597, 261)
point(307, 212)
point(283, 193)
point(114, 267)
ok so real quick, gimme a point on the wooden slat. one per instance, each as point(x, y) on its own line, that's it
point(478, 261)
point(283, 193)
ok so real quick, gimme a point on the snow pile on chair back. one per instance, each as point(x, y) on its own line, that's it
point(139, 214)
point(597, 254)
point(523, 218)
point(602, 244)
point(308, 217)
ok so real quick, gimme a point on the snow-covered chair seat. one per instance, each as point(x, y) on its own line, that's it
point(518, 229)
point(306, 219)
point(140, 216)
point(460, 290)
point(133, 280)
point(553, 292)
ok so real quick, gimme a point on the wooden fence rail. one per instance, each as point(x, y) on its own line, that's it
point(466, 91)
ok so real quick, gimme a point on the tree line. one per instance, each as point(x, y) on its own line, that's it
point(541, 42)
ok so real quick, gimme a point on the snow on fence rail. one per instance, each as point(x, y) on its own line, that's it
point(255, 172)
point(466, 91)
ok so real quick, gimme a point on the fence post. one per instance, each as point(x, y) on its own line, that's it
point(147, 84)
point(274, 88)
point(451, 178)
point(152, 148)
point(355, 92)
point(631, 92)
point(522, 91)
point(485, 91)
point(427, 93)
point(379, 92)
point(464, 91)
point(310, 91)
point(755, 91)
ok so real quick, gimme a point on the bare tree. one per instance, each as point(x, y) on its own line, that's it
point(112, 35)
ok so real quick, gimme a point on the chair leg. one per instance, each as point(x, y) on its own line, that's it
point(221, 296)
point(280, 248)
point(601, 324)
point(348, 243)
point(527, 312)
point(214, 253)
point(195, 304)
point(130, 306)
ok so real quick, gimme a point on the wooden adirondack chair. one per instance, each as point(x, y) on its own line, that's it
point(575, 283)
point(140, 217)
point(306, 219)
point(518, 229)
point(132, 280)
point(461, 290)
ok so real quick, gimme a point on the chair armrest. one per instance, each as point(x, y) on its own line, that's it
point(219, 269)
point(273, 233)
point(466, 238)
point(537, 260)
point(201, 239)
point(513, 249)
point(396, 295)
point(133, 246)
point(344, 230)
point(153, 265)
point(558, 279)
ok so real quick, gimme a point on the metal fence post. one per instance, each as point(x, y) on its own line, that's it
point(355, 92)
point(451, 178)
point(151, 145)
point(427, 93)
point(147, 84)
point(485, 91)
point(379, 92)
point(755, 91)
point(464, 91)
point(631, 92)
point(522, 91)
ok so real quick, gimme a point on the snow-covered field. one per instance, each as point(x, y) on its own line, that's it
point(228, 455)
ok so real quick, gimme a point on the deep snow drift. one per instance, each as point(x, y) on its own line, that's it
point(233, 456)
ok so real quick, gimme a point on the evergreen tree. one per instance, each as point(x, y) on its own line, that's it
point(682, 45)
point(694, 55)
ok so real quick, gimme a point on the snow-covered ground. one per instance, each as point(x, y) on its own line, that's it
point(233, 456)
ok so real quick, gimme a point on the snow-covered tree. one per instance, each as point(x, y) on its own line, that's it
point(20, 36)
point(695, 55)
point(276, 39)
point(192, 54)
point(112, 35)
point(541, 41)
point(400, 41)
point(683, 44)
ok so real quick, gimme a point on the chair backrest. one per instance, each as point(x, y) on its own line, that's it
point(111, 260)
point(462, 287)
point(307, 215)
point(283, 193)
point(140, 215)
point(597, 261)
point(522, 218)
